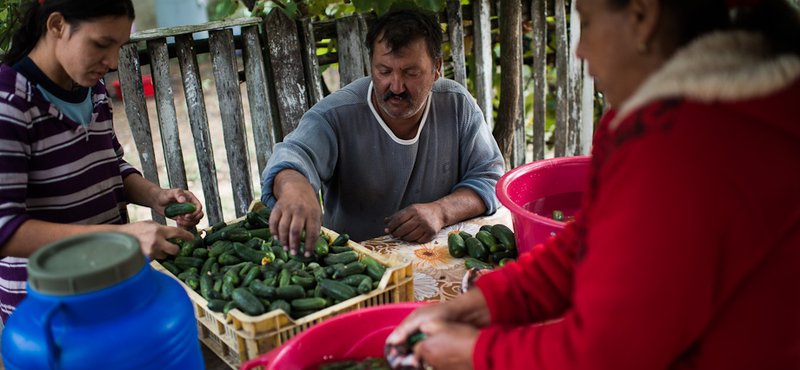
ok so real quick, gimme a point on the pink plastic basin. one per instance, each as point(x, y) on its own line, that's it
point(351, 336)
point(533, 191)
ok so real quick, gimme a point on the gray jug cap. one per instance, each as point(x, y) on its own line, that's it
point(84, 263)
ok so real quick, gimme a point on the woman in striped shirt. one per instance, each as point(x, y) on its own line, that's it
point(62, 170)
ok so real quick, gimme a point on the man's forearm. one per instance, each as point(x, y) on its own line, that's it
point(462, 204)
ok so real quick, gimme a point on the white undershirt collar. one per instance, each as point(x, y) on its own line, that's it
point(388, 130)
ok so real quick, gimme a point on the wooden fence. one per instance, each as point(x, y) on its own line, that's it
point(281, 74)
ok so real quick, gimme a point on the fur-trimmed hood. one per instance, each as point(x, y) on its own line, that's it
point(723, 67)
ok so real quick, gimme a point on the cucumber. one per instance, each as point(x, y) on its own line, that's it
point(355, 280)
point(305, 282)
point(189, 247)
point(262, 290)
point(290, 292)
point(253, 274)
point(262, 233)
point(232, 276)
point(229, 306)
point(251, 255)
point(220, 247)
point(308, 303)
point(505, 261)
point(365, 286)
point(456, 246)
point(228, 258)
point(280, 253)
point(472, 263)
point(170, 266)
point(337, 249)
point(337, 290)
point(238, 234)
point(344, 258)
point(184, 262)
point(321, 248)
point(504, 235)
point(319, 273)
point(177, 209)
point(227, 290)
point(200, 253)
point(216, 236)
point(264, 212)
point(487, 239)
point(497, 256)
point(207, 266)
point(218, 226)
point(351, 268)
point(486, 228)
point(193, 281)
point(465, 235)
point(374, 269)
point(281, 305)
point(340, 240)
point(248, 302)
point(217, 305)
point(476, 250)
point(256, 220)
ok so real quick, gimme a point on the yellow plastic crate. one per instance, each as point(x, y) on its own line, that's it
point(239, 337)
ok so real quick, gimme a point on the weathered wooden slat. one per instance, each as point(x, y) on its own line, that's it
point(456, 30)
point(130, 76)
point(351, 63)
point(510, 64)
point(157, 33)
point(539, 48)
point(362, 35)
point(223, 58)
point(285, 71)
point(167, 118)
point(198, 120)
point(260, 110)
point(575, 69)
point(562, 84)
point(587, 112)
point(310, 61)
point(483, 58)
point(520, 141)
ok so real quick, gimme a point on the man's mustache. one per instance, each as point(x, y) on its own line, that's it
point(403, 95)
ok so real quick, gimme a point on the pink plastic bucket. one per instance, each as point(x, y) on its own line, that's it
point(354, 335)
point(533, 191)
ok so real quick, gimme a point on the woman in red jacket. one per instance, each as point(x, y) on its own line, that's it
point(686, 253)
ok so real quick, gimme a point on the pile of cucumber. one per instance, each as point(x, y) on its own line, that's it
point(241, 266)
point(369, 363)
point(492, 245)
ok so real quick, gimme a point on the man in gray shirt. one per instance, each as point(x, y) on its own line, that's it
point(401, 152)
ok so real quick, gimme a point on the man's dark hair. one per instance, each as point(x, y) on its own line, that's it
point(398, 28)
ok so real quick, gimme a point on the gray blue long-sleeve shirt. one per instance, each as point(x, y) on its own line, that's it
point(367, 173)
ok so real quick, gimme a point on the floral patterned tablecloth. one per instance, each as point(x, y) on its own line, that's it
point(437, 275)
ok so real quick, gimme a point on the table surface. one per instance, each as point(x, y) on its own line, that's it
point(437, 275)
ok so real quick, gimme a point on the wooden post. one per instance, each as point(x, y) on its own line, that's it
point(285, 71)
point(167, 118)
point(563, 92)
point(575, 72)
point(351, 62)
point(482, 36)
point(260, 110)
point(587, 112)
point(510, 64)
point(539, 25)
point(455, 29)
point(130, 75)
point(230, 104)
point(198, 120)
point(308, 47)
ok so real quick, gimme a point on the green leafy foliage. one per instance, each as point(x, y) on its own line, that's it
point(9, 21)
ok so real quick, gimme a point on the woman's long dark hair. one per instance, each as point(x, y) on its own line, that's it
point(33, 22)
point(777, 20)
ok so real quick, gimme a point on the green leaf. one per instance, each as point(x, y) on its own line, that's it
point(383, 6)
point(363, 6)
point(291, 10)
point(434, 5)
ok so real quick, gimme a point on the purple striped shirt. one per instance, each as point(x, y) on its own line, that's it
point(53, 169)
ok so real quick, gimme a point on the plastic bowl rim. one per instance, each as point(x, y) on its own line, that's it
point(509, 176)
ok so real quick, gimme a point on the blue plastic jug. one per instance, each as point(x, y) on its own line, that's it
point(94, 303)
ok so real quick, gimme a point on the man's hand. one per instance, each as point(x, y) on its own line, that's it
point(416, 223)
point(421, 222)
point(296, 211)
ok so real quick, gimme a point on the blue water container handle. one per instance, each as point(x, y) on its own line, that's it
point(53, 352)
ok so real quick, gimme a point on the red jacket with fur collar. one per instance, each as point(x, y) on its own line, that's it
point(686, 254)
